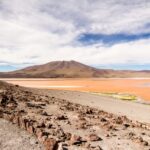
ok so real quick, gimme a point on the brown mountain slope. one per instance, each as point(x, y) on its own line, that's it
point(57, 69)
point(69, 69)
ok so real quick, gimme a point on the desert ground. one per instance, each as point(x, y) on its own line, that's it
point(71, 120)
point(13, 138)
point(136, 86)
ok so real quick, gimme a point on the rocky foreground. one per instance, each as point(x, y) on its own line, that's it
point(60, 125)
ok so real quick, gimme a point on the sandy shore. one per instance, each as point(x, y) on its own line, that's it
point(133, 110)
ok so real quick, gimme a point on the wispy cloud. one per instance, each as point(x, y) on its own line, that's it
point(38, 31)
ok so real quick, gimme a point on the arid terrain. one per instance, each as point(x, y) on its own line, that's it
point(14, 138)
point(136, 86)
point(60, 123)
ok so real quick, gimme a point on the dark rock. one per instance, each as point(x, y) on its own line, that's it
point(89, 111)
point(4, 100)
point(145, 143)
point(1, 113)
point(103, 120)
point(61, 117)
point(44, 113)
point(126, 125)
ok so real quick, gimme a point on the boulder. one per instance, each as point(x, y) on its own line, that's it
point(50, 144)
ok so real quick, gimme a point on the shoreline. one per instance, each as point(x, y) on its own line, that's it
point(89, 84)
point(136, 111)
point(39, 79)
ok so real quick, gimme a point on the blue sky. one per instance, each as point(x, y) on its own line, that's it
point(111, 39)
point(5, 68)
point(109, 34)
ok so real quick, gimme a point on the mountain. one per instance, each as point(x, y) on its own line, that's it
point(69, 69)
point(56, 69)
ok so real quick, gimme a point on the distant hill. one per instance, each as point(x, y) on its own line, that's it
point(69, 69)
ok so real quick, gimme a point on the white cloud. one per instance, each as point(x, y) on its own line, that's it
point(38, 31)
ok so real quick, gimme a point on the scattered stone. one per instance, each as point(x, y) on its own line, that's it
point(88, 111)
point(81, 125)
point(4, 100)
point(38, 106)
point(39, 134)
point(75, 139)
point(126, 125)
point(61, 117)
point(16, 85)
point(107, 135)
point(140, 139)
point(41, 125)
point(131, 134)
point(103, 120)
point(49, 125)
point(93, 137)
point(1, 113)
point(112, 127)
point(62, 146)
point(68, 136)
point(143, 133)
point(44, 113)
point(98, 148)
point(50, 144)
point(145, 143)
point(119, 120)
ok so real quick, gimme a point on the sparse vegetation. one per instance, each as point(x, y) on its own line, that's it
point(121, 96)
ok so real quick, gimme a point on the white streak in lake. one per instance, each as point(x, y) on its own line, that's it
point(54, 86)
